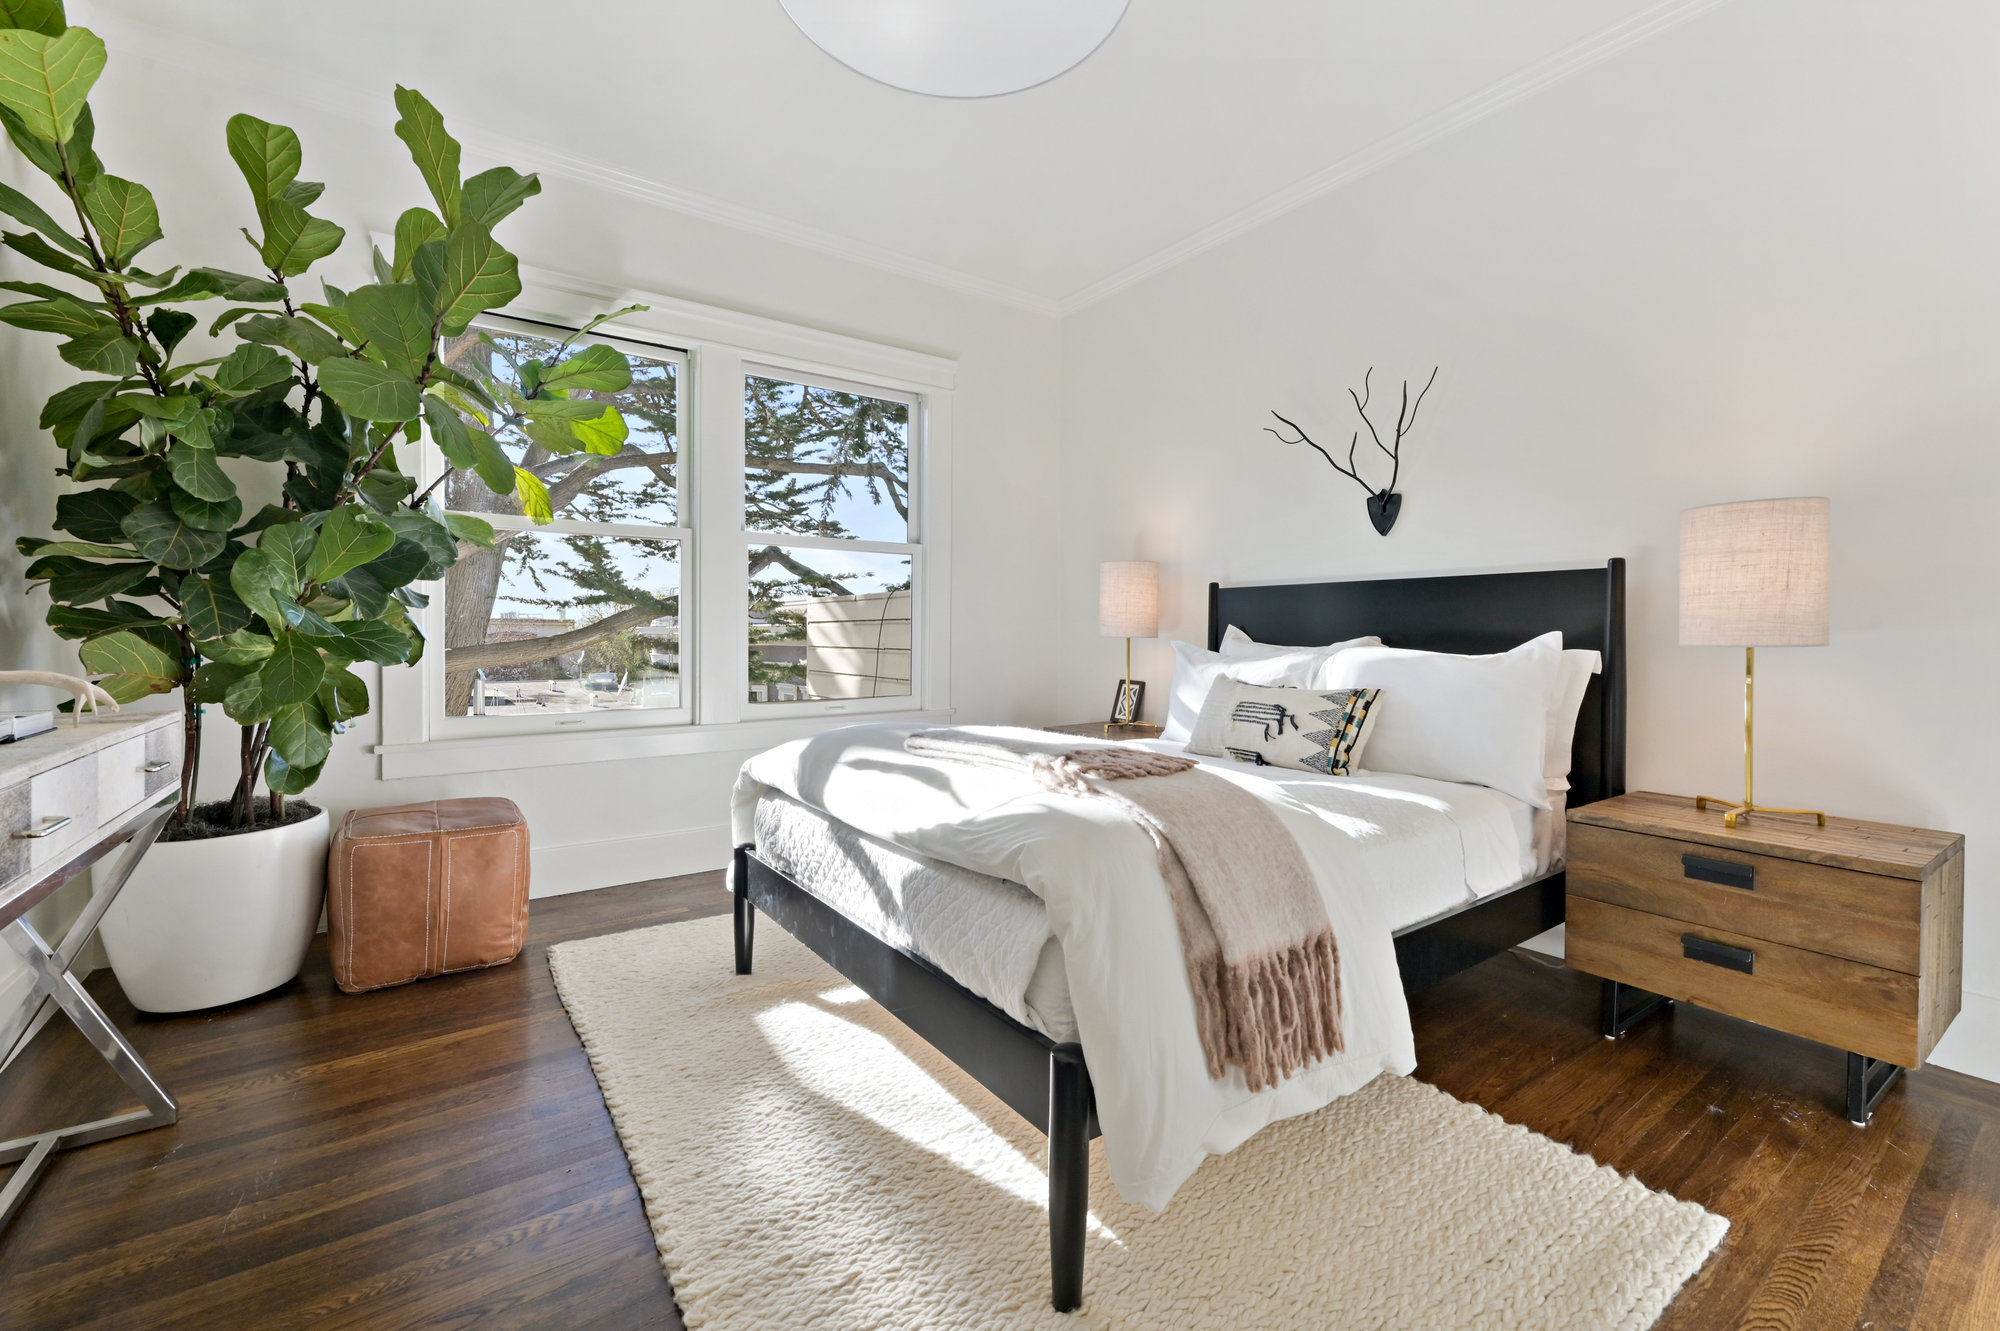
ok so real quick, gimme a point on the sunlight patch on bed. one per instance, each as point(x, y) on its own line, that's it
point(865, 1073)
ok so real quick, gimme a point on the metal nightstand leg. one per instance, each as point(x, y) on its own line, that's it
point(1625, 1007)
point(1868, 1080)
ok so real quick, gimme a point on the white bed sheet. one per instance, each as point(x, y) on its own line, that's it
point(995, 937)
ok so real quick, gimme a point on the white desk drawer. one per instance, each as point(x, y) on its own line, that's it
point(121, 777)
point(69, 791)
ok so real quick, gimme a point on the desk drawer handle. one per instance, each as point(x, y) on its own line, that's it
point(1696, 948)
point(49, 827)
point(1725, 872)
point(159, 766)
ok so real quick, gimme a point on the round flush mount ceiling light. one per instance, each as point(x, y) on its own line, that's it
point(958, 48)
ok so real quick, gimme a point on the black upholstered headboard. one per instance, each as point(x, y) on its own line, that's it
point(1479, 612)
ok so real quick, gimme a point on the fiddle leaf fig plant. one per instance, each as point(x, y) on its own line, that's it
point(258, 586)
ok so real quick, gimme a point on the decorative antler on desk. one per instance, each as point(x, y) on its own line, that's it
point(1383, 504)
point(80, 689)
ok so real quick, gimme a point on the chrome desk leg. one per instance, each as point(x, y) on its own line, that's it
point(52, 980)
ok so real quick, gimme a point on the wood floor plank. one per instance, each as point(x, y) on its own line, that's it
point(438, 1156)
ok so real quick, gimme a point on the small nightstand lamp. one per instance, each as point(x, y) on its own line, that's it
point(1754, 574)
point(1128, 607)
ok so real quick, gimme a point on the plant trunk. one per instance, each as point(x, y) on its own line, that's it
point(190, 753)
point(277, 807)
point(471, 587)
point(243, 805)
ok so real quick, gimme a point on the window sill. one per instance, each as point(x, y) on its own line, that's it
point(500, 753)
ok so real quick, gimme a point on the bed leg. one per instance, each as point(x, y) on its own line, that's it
point(1069, 1173)
point(746, 914)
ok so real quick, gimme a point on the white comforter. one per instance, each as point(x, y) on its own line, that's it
point(1096, 873)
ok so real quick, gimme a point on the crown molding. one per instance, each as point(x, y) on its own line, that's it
point(350, 101)
point(1550, 70)
point(353, 101)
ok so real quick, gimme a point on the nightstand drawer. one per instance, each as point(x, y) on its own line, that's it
point(1862, 917)
point(1867, 1009)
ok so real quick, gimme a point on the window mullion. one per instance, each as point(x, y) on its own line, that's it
point(715, 484)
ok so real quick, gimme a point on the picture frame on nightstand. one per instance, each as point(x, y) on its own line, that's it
point(1128, 702)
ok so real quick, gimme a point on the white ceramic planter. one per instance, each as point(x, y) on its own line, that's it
point(203, 923)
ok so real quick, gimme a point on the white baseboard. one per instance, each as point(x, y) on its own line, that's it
point(1972, 1044)
point(587, 865)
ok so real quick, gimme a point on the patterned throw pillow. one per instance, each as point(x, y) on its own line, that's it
point(1321, 730)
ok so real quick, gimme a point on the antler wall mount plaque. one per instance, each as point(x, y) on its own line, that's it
point(1386, 503)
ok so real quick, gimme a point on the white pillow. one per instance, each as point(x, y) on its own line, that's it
point(1478, 719)
point(1572, 677)
point(1195, 673)
point(1238, 645)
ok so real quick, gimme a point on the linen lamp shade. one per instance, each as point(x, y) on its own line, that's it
point(1128, 599)
point(1754, 574)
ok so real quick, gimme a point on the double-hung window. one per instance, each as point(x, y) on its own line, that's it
point(833, 547)
point(577, 620)
point(764, 555)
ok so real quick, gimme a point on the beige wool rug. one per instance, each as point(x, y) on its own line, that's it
point(807, 1162)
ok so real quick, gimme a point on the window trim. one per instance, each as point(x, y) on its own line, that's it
point(721, 346)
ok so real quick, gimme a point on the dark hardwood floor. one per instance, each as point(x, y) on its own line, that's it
point(438, 1156)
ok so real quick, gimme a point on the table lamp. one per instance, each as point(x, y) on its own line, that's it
point(1128, 607)
point(1754, 574)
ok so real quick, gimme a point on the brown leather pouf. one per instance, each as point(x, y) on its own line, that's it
point(426, 889)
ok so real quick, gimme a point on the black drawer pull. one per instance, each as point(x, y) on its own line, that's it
point(1697, 948)
point(1720, 871)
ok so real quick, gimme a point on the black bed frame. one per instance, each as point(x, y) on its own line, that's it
point(1047, 1082)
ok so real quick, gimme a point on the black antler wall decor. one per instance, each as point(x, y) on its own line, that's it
point(1383, 504)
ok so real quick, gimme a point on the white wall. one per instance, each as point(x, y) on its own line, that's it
point(1757, 256)
point(612, 823)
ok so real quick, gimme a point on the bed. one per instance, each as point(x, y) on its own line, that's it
point(1003, 1014)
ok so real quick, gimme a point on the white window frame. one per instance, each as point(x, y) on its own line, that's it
point(721, 346)
point(432, 617)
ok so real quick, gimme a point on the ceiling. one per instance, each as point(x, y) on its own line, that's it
point(1191, 123)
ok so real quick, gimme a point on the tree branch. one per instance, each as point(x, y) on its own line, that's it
point(771, 554)
point(494, 655)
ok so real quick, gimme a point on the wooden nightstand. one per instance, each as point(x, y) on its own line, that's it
point(1106, 730)
point(1849, 934)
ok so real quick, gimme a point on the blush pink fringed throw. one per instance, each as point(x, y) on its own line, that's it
point(1260, 951)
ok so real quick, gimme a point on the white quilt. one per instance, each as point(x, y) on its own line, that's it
point(1095, 871)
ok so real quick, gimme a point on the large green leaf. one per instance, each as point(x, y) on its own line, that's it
point(204, 283)
point(245, 701)
point(395, 324)
point(533, 494)
point(165, 539)
point(369, 391)
point(252, 367)
point(468, 528)
point(213, 680)
point(43, 16)
point(350, 537)
point(295, 240)
point(286, 779)
point(466, 274)
point(433, 150)
point(131, 655)
point(597, 367)
point(45, 80)
point(195, 470)
point(212, 609)
point(240, 647)
point(168, 327)
point(416, 228)
point(342, 694)
point(604, 435)
point(491, 195)
point(88, 582)
point(291, 545)
point(302, 337)
point(427, 532)
point(126, 218)
point(262, 582)
point(293, 672)
point(207, 514)
point(373, 640)
point(372, 585)
point(77, 621)
point(299, 733)
point(94, 515)
point(268, 155)
point(22, 208)
point(104, 351)
point(66, 317)
point(72, 161)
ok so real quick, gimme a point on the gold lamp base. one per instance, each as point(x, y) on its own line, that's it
point(1737, 812)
